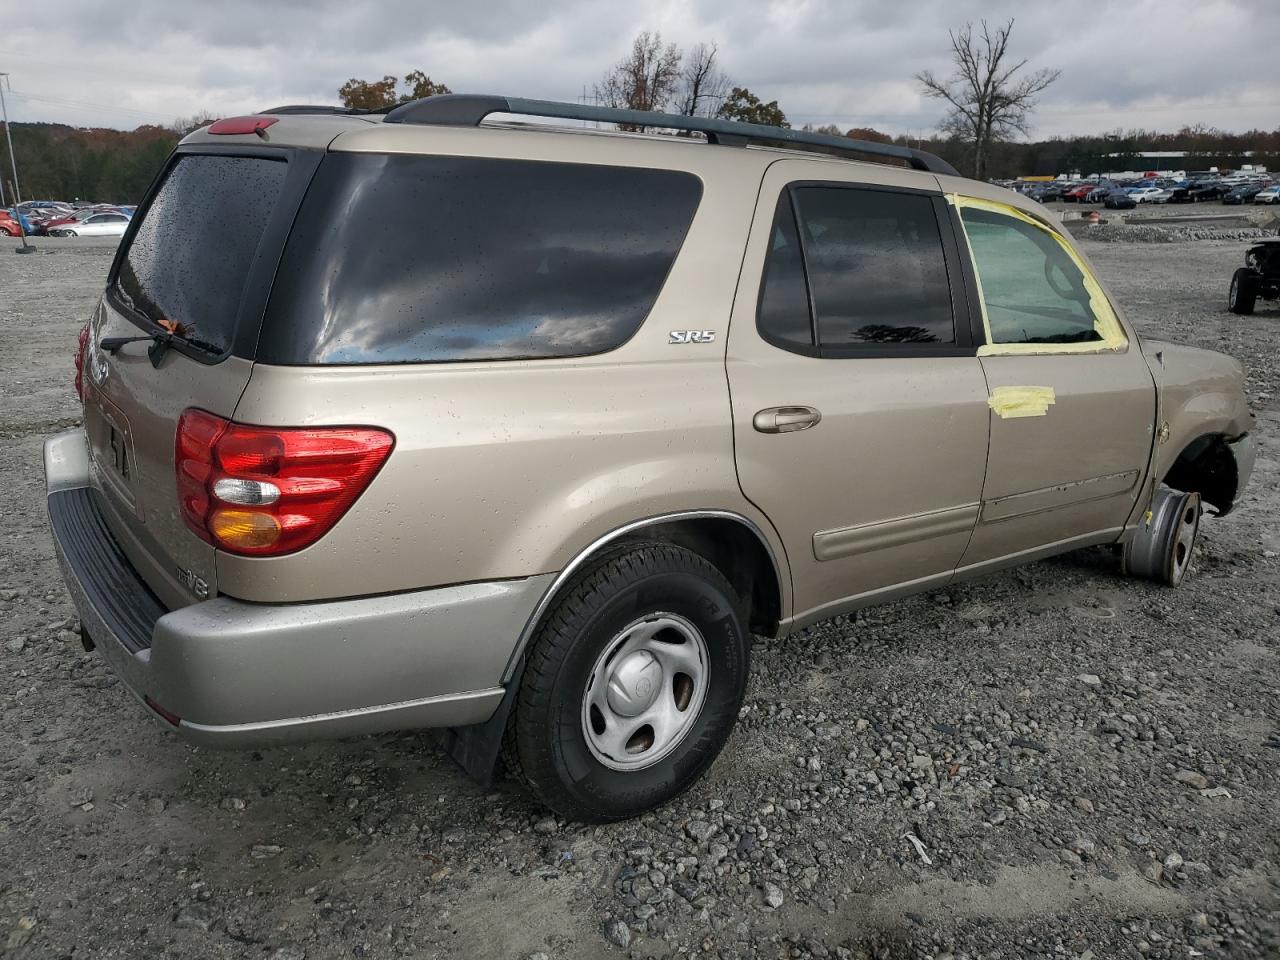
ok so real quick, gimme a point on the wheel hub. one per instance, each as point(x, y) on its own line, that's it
point(645, 692)
point(634, 683)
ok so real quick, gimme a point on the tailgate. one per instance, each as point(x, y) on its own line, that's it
point(187, 288)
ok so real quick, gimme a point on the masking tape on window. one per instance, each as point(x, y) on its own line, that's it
point(1012, 402)
point(1106, 323)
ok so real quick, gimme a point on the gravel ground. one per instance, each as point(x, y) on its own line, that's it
point(1053, 761)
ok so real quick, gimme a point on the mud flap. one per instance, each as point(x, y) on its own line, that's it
point(476, 748)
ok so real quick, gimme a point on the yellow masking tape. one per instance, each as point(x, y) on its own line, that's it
point(1011, 402)
point(1105, 320)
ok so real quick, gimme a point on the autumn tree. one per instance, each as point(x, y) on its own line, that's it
point(742, 104)
point(986, 98)
point(381, 94)
point(868, 133)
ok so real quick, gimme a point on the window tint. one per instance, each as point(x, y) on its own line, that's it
point(404, 259)
point(189, 259)
point(1032, 288)
point(876, 266)
point(783, 313)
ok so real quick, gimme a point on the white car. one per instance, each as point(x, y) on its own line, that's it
point(1270, 195)
point(98, 225)
point(1145, 194)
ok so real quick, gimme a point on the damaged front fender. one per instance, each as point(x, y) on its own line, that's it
point(1216, 467)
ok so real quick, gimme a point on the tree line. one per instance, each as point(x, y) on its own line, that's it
point(989, 99)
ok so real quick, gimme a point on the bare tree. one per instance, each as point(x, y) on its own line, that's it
point(645, 79)
point(184, 125)
point(987, 102)
point(703, 86)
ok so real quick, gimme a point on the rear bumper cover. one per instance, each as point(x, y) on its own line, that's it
point(240, 674)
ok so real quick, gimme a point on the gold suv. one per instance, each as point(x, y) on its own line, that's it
point(429, 420)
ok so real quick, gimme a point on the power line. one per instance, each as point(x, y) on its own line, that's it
point(85, 104)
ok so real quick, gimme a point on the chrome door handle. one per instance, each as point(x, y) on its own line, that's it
point(785, 419)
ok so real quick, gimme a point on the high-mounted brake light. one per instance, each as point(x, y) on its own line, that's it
point(233, 125)
point(81, 349)
point(266, 491)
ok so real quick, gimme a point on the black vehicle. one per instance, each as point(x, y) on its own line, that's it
point(1259, 277)
point(1243, 193)
point(1119, 200)
point(1209, 190)
point(1046, 194)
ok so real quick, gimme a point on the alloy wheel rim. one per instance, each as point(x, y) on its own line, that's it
point(645, 691)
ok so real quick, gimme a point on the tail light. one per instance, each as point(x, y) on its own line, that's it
point(267, 491)
point(81, 349)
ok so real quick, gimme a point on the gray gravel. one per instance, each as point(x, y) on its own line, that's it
point(1053, 761)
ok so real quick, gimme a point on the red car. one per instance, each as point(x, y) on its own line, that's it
point(8, 226)
point(1077, 194)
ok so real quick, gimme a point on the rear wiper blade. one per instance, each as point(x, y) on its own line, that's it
point(161, 341)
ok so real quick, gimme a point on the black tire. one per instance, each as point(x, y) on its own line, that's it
point(1244, 291)
point(551, 753)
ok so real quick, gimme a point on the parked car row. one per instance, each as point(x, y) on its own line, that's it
point(1116, 195)
point(54, 218)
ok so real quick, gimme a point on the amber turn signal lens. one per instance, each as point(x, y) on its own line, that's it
point(244, 528)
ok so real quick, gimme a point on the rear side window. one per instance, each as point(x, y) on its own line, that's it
point(192, 251)
point(876, 265)
point(855, 268)
point(410, 259)
point(783, 317)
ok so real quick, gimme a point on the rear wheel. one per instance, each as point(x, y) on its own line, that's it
point(1244, 291)
point(1161, 548)
point(632, 684)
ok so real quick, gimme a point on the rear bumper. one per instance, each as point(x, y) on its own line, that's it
point(239, 674)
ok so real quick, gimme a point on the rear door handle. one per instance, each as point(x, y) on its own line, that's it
point(785, 419)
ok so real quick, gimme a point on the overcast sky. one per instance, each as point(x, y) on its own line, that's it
point(1148, 63)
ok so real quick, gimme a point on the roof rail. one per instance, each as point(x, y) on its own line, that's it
point(469, 110)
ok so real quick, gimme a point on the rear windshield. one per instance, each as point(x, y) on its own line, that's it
point(187, 264)
point(411, 259)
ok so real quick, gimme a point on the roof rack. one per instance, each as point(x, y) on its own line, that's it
point(469, 110)
point(299, 109)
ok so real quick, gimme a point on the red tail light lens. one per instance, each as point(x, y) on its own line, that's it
point(267, 491)
point(81, 349)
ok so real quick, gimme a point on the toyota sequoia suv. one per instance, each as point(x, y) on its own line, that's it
point(441, 418)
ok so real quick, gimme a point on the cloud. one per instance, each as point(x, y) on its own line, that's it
point(1143, 63)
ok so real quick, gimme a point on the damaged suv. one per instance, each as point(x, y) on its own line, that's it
point(431, 419)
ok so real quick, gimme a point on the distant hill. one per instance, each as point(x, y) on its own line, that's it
point(57, 162)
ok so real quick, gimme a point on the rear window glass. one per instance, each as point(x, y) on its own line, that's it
point(192, 252)
point(409, 259)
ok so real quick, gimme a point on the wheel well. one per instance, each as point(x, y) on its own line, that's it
point(1208, 467)
point(737, 552)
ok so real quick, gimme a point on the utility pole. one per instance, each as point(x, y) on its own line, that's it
point(13, 165)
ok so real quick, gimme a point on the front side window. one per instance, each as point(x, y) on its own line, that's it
point(1035, 292)
point(420, 259)
point(189, 259)
point(854, 268)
